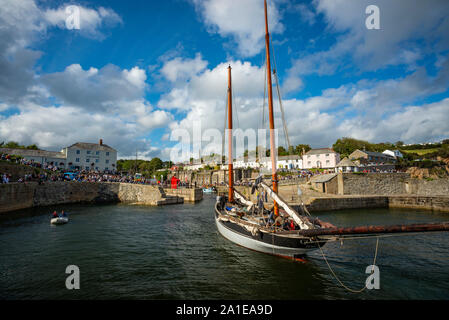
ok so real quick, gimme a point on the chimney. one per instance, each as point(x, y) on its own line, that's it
point(101, 142)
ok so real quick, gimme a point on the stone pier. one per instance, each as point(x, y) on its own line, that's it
point(15, 196)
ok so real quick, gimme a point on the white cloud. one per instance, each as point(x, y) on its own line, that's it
point(179, 69)
point(105, 89)
point(403, 24)
point(91, 20)
point(243, 20)
point(367, 109)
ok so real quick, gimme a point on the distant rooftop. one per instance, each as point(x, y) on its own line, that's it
point(320, 151)
point(33, 153)
point(289, 157)
point(92, 146)
point(346, 163)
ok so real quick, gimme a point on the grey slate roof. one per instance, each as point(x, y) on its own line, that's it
point(33, 153)
point(346, 163)
point(92, 146)
point(323, 177)
point(289, 157)
point(319, 151)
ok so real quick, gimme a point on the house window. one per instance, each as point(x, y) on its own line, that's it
point(77, 160)
point(87, 160)
point(327, 154)
point(87, 168)
point(327, 162)
point(97, 153)
point(107, 161)
point(106, 168)
point(96, 160)
point(77, 152)
point(88, 151)
point(107, 153)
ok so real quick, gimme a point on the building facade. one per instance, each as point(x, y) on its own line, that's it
point(371, 157)
point(91, 156)
point(324, 158)
point(79, 156)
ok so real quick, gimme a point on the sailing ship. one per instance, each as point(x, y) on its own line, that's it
point(281, 230)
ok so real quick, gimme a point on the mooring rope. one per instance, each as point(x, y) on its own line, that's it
point(338, 279)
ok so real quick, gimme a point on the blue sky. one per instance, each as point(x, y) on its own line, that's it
point(137, 70)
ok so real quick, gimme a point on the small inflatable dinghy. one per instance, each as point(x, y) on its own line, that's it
point(59, 220)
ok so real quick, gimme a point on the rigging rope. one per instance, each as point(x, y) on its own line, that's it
point(338, 279)
point(280, 99)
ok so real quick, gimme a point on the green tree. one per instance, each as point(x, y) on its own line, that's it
point(13, 145)
point(299, 148)
point(282, 151)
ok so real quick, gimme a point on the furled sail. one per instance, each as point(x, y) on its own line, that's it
point(302, 222)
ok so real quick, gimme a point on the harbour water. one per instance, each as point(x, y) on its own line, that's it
point(175, 252)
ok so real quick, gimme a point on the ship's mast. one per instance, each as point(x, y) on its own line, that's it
point(230, 169)
point(270, 110)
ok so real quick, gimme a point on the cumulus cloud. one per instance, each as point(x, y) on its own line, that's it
point(76, 104)
point(91, 20)
point(179, 69)
point(22, 23)
point(105, 89)
point(374, 110)
point(243, 20)
point(403, 24)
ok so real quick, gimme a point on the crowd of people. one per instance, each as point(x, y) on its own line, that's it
point(51, 172)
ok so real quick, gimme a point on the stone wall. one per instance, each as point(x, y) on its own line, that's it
point(390, 184)
point(15, 196)
point(374, 183)
point(188, 194)
point(428, 187)
point(439, 203)
point(347, 202)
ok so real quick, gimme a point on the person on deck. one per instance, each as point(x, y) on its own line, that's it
point(55, 215)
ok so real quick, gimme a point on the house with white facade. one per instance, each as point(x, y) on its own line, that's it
point(324, 158)
point(78, 156)
point(91, 156)
point(283, 162)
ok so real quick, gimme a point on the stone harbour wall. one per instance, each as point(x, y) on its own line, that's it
point(188, 194)
point(15, 196)
point(373, 183)
point(390, 184)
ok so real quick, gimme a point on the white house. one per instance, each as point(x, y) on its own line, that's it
point(91, 156)
point(394, 153)
point(283, 162)
point(79, 156)
point(325, 158)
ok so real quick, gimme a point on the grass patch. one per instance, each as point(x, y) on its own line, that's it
point(421, 151)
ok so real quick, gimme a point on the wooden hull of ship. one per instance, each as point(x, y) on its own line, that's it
point(287, 246)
